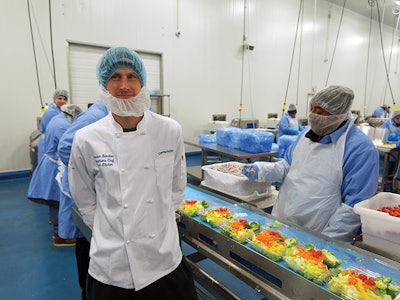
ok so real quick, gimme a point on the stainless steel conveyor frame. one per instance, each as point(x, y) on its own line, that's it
point(271, 279)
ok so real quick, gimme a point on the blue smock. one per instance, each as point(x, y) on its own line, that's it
point(380, 112)
point(285, 126)
point(360, 164)
point(66, 226)
point(43, 184)
point(357, 180)
point(50, 112)
point(391, 126)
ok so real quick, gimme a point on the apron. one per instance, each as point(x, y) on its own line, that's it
point(311, 191)
point(393, 128)
point(293, 123)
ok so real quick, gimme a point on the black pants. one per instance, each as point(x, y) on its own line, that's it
point(82, 248)
point(177, 285)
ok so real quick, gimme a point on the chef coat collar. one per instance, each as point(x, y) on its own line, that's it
point(140, 126)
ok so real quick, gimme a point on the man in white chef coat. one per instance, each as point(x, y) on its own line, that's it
point(127, 174)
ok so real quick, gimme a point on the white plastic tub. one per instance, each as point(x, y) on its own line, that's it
point(380, 230)
point(238, 186)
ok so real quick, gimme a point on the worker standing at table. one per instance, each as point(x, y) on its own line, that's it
point(289, 124)
point(393, 124)
point(382, 111)
point(331, 167)
point(60, 98)
point(393, 136)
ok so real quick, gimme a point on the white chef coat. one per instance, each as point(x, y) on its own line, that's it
point(128, 185)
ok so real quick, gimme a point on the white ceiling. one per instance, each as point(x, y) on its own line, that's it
point(363, 7)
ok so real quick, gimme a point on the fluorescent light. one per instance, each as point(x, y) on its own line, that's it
point(398, 2)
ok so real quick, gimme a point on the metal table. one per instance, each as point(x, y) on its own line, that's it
point(231, 153)
point(387, 151)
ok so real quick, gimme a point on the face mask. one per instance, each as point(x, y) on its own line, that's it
point(131, 107)
point(323, 125)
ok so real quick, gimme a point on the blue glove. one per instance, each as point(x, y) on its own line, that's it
point(398, 144)
point(291, 131)
point(393, 137)
point(250, 171)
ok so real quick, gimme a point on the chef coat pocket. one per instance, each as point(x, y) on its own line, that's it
point(164, 172)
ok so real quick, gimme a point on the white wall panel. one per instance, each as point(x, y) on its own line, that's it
point(202, 68)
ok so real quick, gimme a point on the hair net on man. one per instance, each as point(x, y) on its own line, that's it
point(120, 58)
point(395, 114)
point(71, 110)
point(336, 99)
point(60, 92)
point(292, 107)
point(384, 106)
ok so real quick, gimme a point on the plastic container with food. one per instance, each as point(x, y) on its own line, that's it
point(227, 177)
point(379, 229)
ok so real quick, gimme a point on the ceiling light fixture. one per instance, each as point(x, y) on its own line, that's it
point(398, 2)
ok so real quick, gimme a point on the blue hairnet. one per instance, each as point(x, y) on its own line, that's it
point(117, 58)
point(335, 99)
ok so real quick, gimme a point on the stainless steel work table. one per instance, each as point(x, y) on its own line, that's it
point(231, 153)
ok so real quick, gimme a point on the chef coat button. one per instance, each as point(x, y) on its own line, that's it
point(142, 133)
point(125, 205)
point(128, 241)
point(149, 200)
point(152, 235)
point(146, 167)
point(122, 170)
point(118, 135)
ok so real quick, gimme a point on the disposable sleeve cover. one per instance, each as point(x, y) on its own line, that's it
point(272, 171)
point(343, 225)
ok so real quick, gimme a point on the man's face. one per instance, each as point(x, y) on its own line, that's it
point(316, 109)
point(397, 120)
point(124, 84)
point(60, 101)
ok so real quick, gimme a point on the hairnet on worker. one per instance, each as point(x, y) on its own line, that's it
point(60, 92)
point(120, 58)
point(395, 114)
point(71, 111)
point(337, 101)
point(292, 108)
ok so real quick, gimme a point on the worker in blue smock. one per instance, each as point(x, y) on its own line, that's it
point(289, 124)
point(43, 187)
point(393, 124)
point(330, 167)
point(382, 111)
point(66, 226)
point(60, 98)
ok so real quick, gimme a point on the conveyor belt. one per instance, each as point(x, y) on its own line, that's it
point(271, 279)
point(274, 280)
